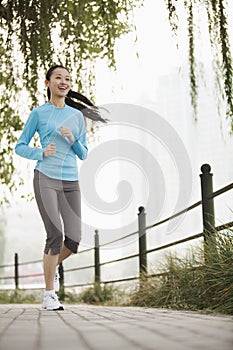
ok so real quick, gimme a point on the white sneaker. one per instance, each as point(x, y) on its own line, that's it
point(56, 283)
point(51, 302)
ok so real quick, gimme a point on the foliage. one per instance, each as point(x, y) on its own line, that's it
point(218, 273)
point(96, 295)
point(178, 288)
point(19, 297)
point(36, 34)
point(192, 283)
point(216, 11)
point(2, 239)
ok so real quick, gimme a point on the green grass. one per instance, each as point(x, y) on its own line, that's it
point(19, 297)
point(193, 283)
point(96, 295)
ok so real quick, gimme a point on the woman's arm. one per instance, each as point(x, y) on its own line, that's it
point(80, 144)
point(29, 130)
point(80, 148)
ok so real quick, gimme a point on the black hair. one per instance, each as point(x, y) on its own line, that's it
point(82, 103)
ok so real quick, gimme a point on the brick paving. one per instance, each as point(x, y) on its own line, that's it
point(84, 327)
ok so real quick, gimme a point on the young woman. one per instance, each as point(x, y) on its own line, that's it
point(61, 128)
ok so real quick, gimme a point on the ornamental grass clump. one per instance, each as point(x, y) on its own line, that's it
point(218, 271)
point(19, 297)
point(203, 281)
point(179, 287)
point(96, 295)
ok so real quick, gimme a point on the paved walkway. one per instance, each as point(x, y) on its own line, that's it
point(84, 327)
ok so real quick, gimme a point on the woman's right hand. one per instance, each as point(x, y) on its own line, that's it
point(50, 150)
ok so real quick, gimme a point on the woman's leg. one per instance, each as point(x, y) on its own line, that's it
point(65, 253)
point(47, 200)
point(50, 263)
point(69, 207)
point(70, 210)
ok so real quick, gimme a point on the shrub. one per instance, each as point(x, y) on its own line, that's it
point(193, 283)
point(218, 273)
point(19, 297)
point(94, 295)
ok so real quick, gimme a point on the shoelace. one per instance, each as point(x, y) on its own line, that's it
point(54, 297)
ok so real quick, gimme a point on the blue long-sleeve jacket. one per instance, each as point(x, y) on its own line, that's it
point(46, 120)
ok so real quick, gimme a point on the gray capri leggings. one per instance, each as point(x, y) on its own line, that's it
point(59, 204)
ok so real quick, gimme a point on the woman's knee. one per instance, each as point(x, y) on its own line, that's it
point(71, 245)
point(54, 244)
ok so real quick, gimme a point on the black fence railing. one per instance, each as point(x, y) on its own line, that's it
point(208, 218)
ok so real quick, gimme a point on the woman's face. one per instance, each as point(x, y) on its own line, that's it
point(59, 83)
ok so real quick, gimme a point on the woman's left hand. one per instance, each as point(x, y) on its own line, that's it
point(66, 132)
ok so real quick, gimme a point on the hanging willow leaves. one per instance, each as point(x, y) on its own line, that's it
point(219, 40)
point(192, 62)
point(36, 34)
point(226, 57)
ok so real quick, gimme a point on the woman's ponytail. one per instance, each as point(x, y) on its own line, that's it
point(82, 103)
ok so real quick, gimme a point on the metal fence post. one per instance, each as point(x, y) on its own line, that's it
point(16, 271)
point(61, 281)
point(97, 258)
point(142, 242)
point(208, 216)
